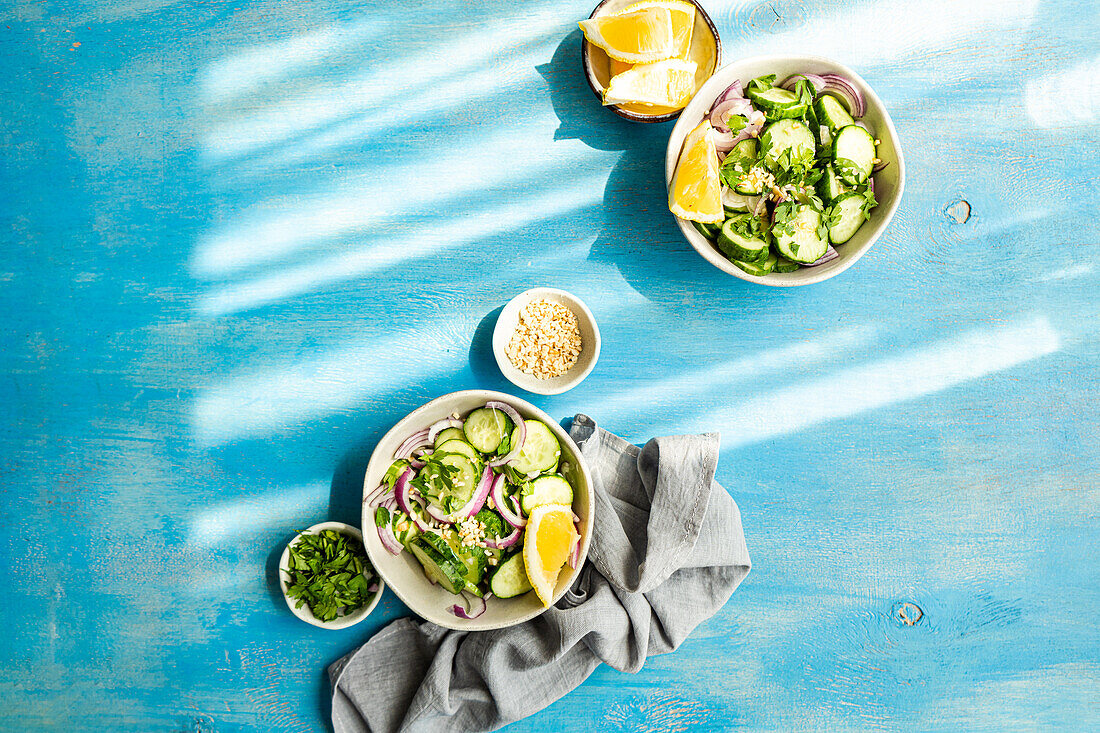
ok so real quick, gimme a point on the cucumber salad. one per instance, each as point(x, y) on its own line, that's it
point(458, 495)
point(796, 168)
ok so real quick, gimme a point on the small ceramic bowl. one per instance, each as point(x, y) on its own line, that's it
point(706, 52)
point(405, 575)
point(506, 326)
point(304, 613)
point(889, 182)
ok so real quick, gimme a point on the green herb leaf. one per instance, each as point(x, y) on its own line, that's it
point(761, 83)
point(330, 573)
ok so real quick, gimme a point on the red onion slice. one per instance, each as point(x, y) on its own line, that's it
point(481, 493)
point(401, 489)
point(436, 513)
point(733, 91)
point(437, 427)
point(503, 542)
point(406, 496)
point(830, 255)
point(722, 112)
point(517, 420)
point(474, 607)
point(818, 82)
point(511, 517)
point(385, 534)
point(575, 555)
point(846, 90)
point(376, 494)
point(418, 439)
point(723, 140)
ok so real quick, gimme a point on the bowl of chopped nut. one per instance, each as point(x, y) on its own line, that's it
point(546, 341)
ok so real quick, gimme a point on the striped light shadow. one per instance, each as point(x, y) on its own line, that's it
point(281, 397)
point(1069, 98)
point(1070, 272)
point(387, 252)
point(666, 393)
point(291, 394)
point(233, 522)
point(864, 388)
point(901, 28)
point(501, 54)
point(365, 199)
point(242, 73)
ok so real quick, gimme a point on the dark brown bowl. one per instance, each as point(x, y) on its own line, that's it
point(593, 57)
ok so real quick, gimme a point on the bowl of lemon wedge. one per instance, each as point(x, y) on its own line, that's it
point(645, 59)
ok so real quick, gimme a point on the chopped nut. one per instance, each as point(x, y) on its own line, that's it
point(547, 340)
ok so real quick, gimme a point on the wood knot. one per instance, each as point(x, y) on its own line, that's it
point(959, 211)
point(908, 613)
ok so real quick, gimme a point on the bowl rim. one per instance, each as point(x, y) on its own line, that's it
point(401, 428)
point(502, 358)
point(683, 125)
point(304, 613)
point(586, 67)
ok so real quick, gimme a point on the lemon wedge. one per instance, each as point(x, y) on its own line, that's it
point(696, 192)
point(547, 541)
point(682, 17)
point(637, 37)
point(668, 83)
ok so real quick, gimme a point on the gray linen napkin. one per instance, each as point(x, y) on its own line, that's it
point(667, 551)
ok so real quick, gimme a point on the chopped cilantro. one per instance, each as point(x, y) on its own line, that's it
point(330, 573)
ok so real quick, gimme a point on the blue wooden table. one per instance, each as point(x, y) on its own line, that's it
point(241, 240)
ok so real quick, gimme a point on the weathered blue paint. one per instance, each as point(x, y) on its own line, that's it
point(241, 240)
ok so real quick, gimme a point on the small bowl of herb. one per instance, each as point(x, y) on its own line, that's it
point(326, 577)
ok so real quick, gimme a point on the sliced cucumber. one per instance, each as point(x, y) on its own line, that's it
point(463, 481)
point(854, 154)
point(737, 246)
point(829, 186)
point(461, 447)
point(777, 103)
point(744, 150)
point(760, 269)
point(710, 231)
point(736, 203)
point(485, 428)
point(831, 113)
point(546, 490)
point(785, 265)
point(449, 434)
point(473, 561)
point(787, 138)
point(437, 567)
point(798, 237)
point(540, 451)
point(846, 217)
point(510, 579)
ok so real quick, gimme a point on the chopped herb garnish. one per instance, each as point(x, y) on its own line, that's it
point(330, 573)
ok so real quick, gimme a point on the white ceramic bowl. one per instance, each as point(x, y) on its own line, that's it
point(304, 613)
point(590, 341)
point(404, 574)
point(889, 182)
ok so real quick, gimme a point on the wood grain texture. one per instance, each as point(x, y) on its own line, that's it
point(243, 239)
